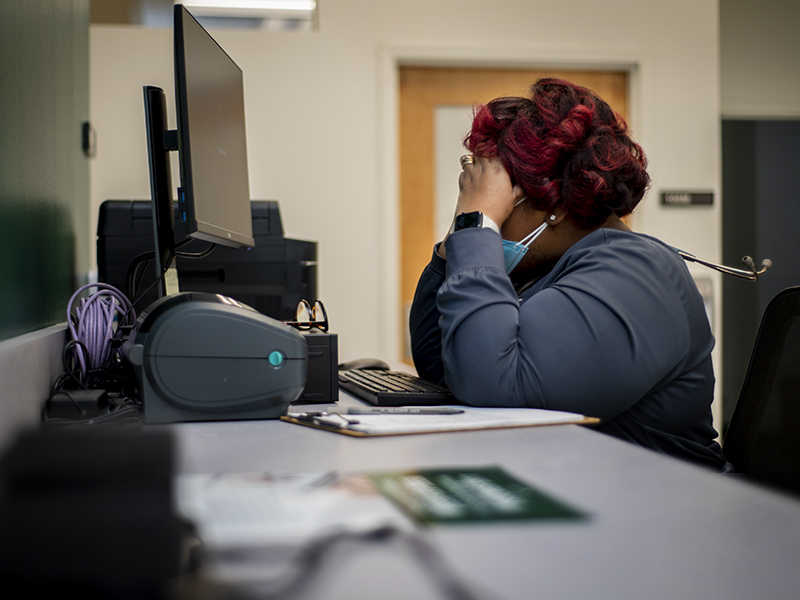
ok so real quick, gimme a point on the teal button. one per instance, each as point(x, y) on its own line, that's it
point(276, 359)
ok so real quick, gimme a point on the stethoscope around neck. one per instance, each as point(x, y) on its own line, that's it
point(750, 273)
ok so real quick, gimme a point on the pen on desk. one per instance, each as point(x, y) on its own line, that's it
point(331, 419)
point(403, 410)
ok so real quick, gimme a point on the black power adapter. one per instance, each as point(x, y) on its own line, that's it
point(76, 404)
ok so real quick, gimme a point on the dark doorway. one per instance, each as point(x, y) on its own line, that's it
point(761, 218)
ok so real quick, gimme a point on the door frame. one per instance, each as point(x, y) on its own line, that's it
point(641, 96)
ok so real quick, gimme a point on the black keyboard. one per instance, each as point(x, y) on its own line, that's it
point(393, 388)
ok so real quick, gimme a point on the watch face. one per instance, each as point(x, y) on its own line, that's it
point(466, 220)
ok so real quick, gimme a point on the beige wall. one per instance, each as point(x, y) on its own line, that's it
point(322, 127)
point(760, 59)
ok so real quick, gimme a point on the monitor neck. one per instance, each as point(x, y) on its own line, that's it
point(160, 142)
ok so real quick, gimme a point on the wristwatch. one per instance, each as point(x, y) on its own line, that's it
point(473, 219)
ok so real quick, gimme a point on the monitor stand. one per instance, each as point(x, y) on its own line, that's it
point(160, 142)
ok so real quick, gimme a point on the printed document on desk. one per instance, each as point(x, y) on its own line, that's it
point(265, 509)
point(262, 532)
point(469, 419)
point(268, 509)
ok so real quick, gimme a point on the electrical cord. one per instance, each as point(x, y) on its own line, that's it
point(126, 416)
point(195, 255)
point(308, 561)
point(93, 323)
point(98, 327)
point(135, 285)
point(121, 410)
point(144, 259)
point(66, 393)
point(72, 370)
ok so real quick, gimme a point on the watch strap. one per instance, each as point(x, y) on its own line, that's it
point(473, 220)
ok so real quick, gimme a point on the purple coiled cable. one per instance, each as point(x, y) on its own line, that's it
point(95, 321)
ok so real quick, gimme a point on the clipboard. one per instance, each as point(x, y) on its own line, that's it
point(471, 419)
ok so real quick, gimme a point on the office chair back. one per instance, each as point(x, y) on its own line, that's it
point(763, 440)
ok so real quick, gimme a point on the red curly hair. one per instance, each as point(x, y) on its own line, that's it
point(564, 146)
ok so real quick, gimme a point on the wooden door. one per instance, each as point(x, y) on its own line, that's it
point(422, 90)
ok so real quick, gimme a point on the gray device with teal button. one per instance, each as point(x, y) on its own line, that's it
point(207, 357)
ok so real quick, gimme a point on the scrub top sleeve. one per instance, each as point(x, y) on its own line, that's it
point(426, 337)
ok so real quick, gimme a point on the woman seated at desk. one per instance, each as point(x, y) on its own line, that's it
point(541, 296)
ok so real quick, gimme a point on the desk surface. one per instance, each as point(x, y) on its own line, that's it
point(658, 528)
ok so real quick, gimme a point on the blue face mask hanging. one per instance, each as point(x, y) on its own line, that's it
point(514, 251)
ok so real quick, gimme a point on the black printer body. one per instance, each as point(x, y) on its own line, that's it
point(271, 277)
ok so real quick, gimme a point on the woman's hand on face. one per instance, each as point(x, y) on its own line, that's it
point(485, 186)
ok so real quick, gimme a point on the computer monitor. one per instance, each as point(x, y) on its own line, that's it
point(214, 199)
point(214, 195)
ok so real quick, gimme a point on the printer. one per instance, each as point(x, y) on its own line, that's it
point(272, 277)
point(206, 357)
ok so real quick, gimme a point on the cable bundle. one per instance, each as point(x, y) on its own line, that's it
point(94, 323)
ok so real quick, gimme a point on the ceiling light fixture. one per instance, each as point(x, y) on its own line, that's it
point(263, 9)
